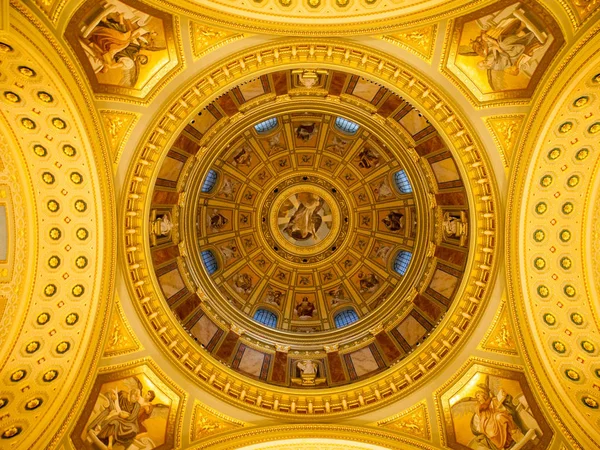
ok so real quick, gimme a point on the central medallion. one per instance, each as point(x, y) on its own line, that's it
point(304, 219)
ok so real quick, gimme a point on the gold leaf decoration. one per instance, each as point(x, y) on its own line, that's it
point(413, 421)
point(500, 338)
point(205, 39)
point(118, 126)
point(208, 422)
point(419, 41)
point(505, 130)
point(121, 339)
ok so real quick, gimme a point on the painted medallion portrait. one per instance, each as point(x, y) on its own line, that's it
point(125, 47)
point(128, 410)
point(304, 219)
point(502, 51)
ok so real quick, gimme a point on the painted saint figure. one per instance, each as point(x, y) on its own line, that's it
point(306, 220)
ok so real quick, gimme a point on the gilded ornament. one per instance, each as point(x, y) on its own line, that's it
point(69, 150)
point(539, 263)
point(569, 290)
point(40, 150)
point(567, 208)
point(554, 154)
point(43, 318)
point(45, 97)
point(54, 262)
point(11, 432)
point(27, 71)
point(82, 234)
point(342, 3)
point(546, 180)
point(582, 154)
point(596, 78)
point(565, 235)
point(53, 205)
point(77, 290)
point(565, 127)
point(573, 181)
point(18, 375)
point(81, 262)
point(5, 48)
point(34, 403)
point(549, 319)
point(581, 101)
point(594, 128)
point(28, 123)
point(59, 123)
point(597, 372)
point(63, 347)
point(72, 318)
point(80, 205)
point(539, 235)
point(590, 402)
point(32, 347)
point(55, 234)
point(50, 290)
point(12, 97)
point(588, 346)
point(76, 178)
point(50, 376)
point(572, 375)
point(3, 402)
point(48, 178)
point(543, 291)
point(314, 3)
point(577, 319)
point(559, 347)
point(566, 263)
point(285, 2)
point(541, 208)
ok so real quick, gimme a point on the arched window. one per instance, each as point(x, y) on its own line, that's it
point(402, 182)
point(266, 125)
point(402, 261)
point(266, 317)
point(346, 125)
point(209, 181)
point(345, 317)
point(210, 262)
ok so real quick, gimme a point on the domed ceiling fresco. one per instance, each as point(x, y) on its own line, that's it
point(273, 224)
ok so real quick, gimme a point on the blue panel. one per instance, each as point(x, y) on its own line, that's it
point(402, 182)
point(402, 261)
point(266, 126)
point(345, 317)
point(209, 181)
point(266, 317)
point(346, 125)
point(210, 262)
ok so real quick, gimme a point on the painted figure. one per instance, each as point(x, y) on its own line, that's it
point(394, 221)
point(306, 219)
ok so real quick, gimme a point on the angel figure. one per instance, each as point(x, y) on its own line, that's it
point(338, 145)
point(382, 191)
point(275, 144)
point(242, 283)
point(498, 421)
point(120, 417)
point(383, 251)
point(367, 158)
point(228, 188)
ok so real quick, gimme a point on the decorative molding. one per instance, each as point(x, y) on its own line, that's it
point(121, 338)
point(207, 422)
point(206, 39)
point(505, 131)
point(500, 337)
point(118, 126)
point(419, 41)
point(413, 421)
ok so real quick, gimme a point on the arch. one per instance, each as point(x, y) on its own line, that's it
point(345, 317)
point(266, 317)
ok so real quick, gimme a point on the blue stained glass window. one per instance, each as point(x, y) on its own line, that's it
point(402, 182)
point(402, 261)
point(209, 181)
point(210, 262)
point(266, 317)
point(345, 317)
point(346, 125)
point(266, 125)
